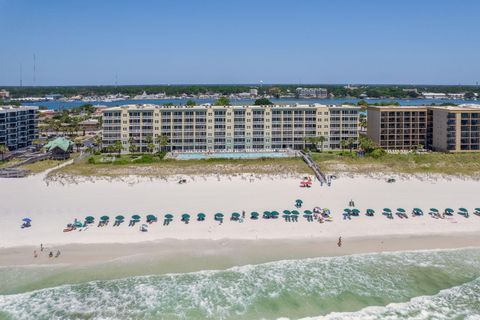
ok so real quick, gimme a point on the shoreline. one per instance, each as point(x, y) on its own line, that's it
point(224, 253)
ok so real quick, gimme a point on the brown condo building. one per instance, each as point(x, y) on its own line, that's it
point(439, 128)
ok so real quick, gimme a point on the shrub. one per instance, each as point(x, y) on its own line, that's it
point(377, 153)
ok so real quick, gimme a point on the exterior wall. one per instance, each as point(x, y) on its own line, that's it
point(401, 128)
point(228, 128)
point(18, 126)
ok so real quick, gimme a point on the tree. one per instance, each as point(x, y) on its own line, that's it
point(350, 143)
point(344, 144)
point(132, 148)
point(362, 103)
point(3, 150)
point(78, 143)
point(118, 147)
point(262, 102)
point(367, 144)
point(322, 140)
point(150, 144)
point(190, 103)
point(162, 142)
point(222, 101)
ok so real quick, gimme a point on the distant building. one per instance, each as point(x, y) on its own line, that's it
point(18, 126)
point(434, 95)
point(4, 94)
point(89, 125)
point(253, 92)
point(54, 96)
point(230, 128)
point(312, 93)
point(439, 128)
point(414, 90)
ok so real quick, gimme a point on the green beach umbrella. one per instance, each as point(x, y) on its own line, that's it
point(295, 212)
point(355, 211)
point(449, 210)
point(185, 216)
point(274, 213)
point(151, 217)
point(78, 224)
point(236, 215)
point(286, 212)
point(434, 210)
point(307, 212)
point(299, 200)
point(254, 214)
point(168, 216)
point(90, 219)
point(201, 216)
point(370, 211)
point(136, 217)
point(401, 210)
point(463, 210)
point(104, 218)
point(387, 210)
point(218, 215)
point(477, 209)
point(119, 218)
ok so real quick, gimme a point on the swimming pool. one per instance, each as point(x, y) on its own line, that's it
point(231, 155)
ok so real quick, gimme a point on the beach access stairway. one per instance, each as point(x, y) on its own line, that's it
point(314, 166)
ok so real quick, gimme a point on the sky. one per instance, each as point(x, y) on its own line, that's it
point(93, 42)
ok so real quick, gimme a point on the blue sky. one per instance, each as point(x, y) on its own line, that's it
point(221, 41)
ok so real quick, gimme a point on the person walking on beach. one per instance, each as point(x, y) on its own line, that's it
point(339, 243)
point(41, 247)
point(50, 254)
point(35, 253)
point(57, 254)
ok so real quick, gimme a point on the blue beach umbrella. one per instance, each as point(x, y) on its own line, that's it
point(27, 220)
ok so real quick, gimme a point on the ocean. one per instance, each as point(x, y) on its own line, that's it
point(439, 284)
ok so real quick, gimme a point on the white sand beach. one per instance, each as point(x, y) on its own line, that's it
point(52, 205)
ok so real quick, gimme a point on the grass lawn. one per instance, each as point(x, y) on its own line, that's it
point(41, 166)
point(442, 163)
point(148, 165)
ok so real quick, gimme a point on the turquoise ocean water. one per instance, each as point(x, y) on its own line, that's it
point(399, 285)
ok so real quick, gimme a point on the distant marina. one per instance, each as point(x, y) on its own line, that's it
point(59, 104)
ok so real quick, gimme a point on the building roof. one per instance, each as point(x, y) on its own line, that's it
point(17, 108)
point(151, 107)
point(462, 107)
point(60, 142)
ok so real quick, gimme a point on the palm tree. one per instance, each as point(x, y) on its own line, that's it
point(162, 141)
point(132, 148)
point(118, 147)
point(3, 150)
point(350, 143)
point(321, 140)
point(149, 141)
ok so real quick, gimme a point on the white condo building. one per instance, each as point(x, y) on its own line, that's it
point(223, 128)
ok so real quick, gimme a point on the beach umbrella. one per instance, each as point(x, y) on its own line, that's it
point(449, 210)
point(235, 215)
point(370, 211)
point(78, 224)
point(274, 213)
point(434, 210)
point(463, 210)
point(136, 217)
point(119, 218)
point(104, 218)
point(401, 210)
point(89, 219)
point(254, 215)
point(151, 217)
point(27, 220)
point(387, 210)
point(218, 215)
point(286, 212)
point(355, 211)
point(168, 216)
point(201, 216)
point(185, 216)
point(266, 214)
point(307, 212)
point(295, 212)
point(477, 209)
point(299, 201)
